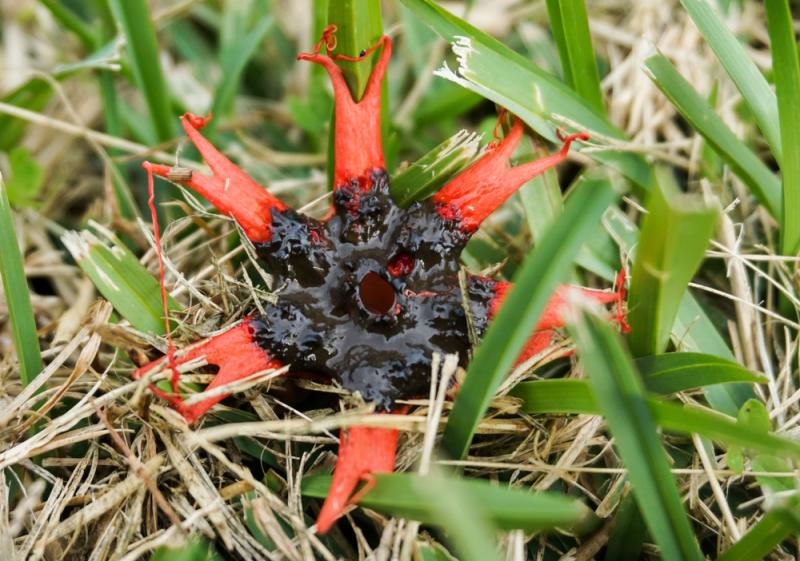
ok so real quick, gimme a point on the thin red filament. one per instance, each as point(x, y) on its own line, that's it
point(174, 398)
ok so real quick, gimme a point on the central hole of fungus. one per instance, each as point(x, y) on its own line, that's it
point(376, 293)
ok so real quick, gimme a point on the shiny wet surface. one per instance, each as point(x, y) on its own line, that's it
point(369, 295)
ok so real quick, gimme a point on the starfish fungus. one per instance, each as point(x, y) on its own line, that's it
point(371, 292)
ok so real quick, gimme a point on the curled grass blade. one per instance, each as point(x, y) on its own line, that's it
point(786, 70)
point(547, 264)
point(695, 109)
point(622, 401)
point(17, 295)
point(672, 244)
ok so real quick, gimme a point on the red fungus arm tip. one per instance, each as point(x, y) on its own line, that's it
point(229, 189)
point(363, 451)
point(357, 144)
point(234, 351)
point(475, 193)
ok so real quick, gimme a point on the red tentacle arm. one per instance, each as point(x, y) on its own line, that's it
point(363, 451)
point(476, 192)
point(234, 351)
point(554, 312)
point(229, 189)
point(357, 145)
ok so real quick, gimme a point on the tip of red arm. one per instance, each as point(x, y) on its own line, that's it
point(363, 451)
point(196, 121)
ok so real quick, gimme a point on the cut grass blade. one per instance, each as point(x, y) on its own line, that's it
point(786, 71)
point(548, 263)
point(496, 72)
point(750, 82)
point(762, 183)
point(359, 25)
point(428, 174)
point(121, 279)
point(17, 295)
point(412, 496)
point(133, 16)
point(672, 244)
point(776, 526)
point(570, 27)
point(622, 399)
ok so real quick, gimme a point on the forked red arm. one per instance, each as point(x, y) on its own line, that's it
point(476, 192)
point(554, 312)
point(363, 451)
point(229, 189)
point(234, 351)
point(358, 147)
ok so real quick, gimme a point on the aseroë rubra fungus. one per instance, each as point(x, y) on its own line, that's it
point(371, 292)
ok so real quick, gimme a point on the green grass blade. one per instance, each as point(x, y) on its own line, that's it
point(750, 82)
point(570, 26)
point(195, 549)
point(463, 517)
point(134, 18)
point(409, 495)
point(675, 372)
point(786, 70)
point(541, 199)
point(121, 279)
point(628, 534)
point(17, 295)
point(578, 397)
point(233, 60)
point(622, 399)
point(564, 396)
point(71, 21)
point(428, 174)
point(776, 526)
point(32, 95)
point(693, 330)
point(695, 109)
point(496, 72)
point(672, 244)
point(662, 374)
point(548, 263)
point(359, 26)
